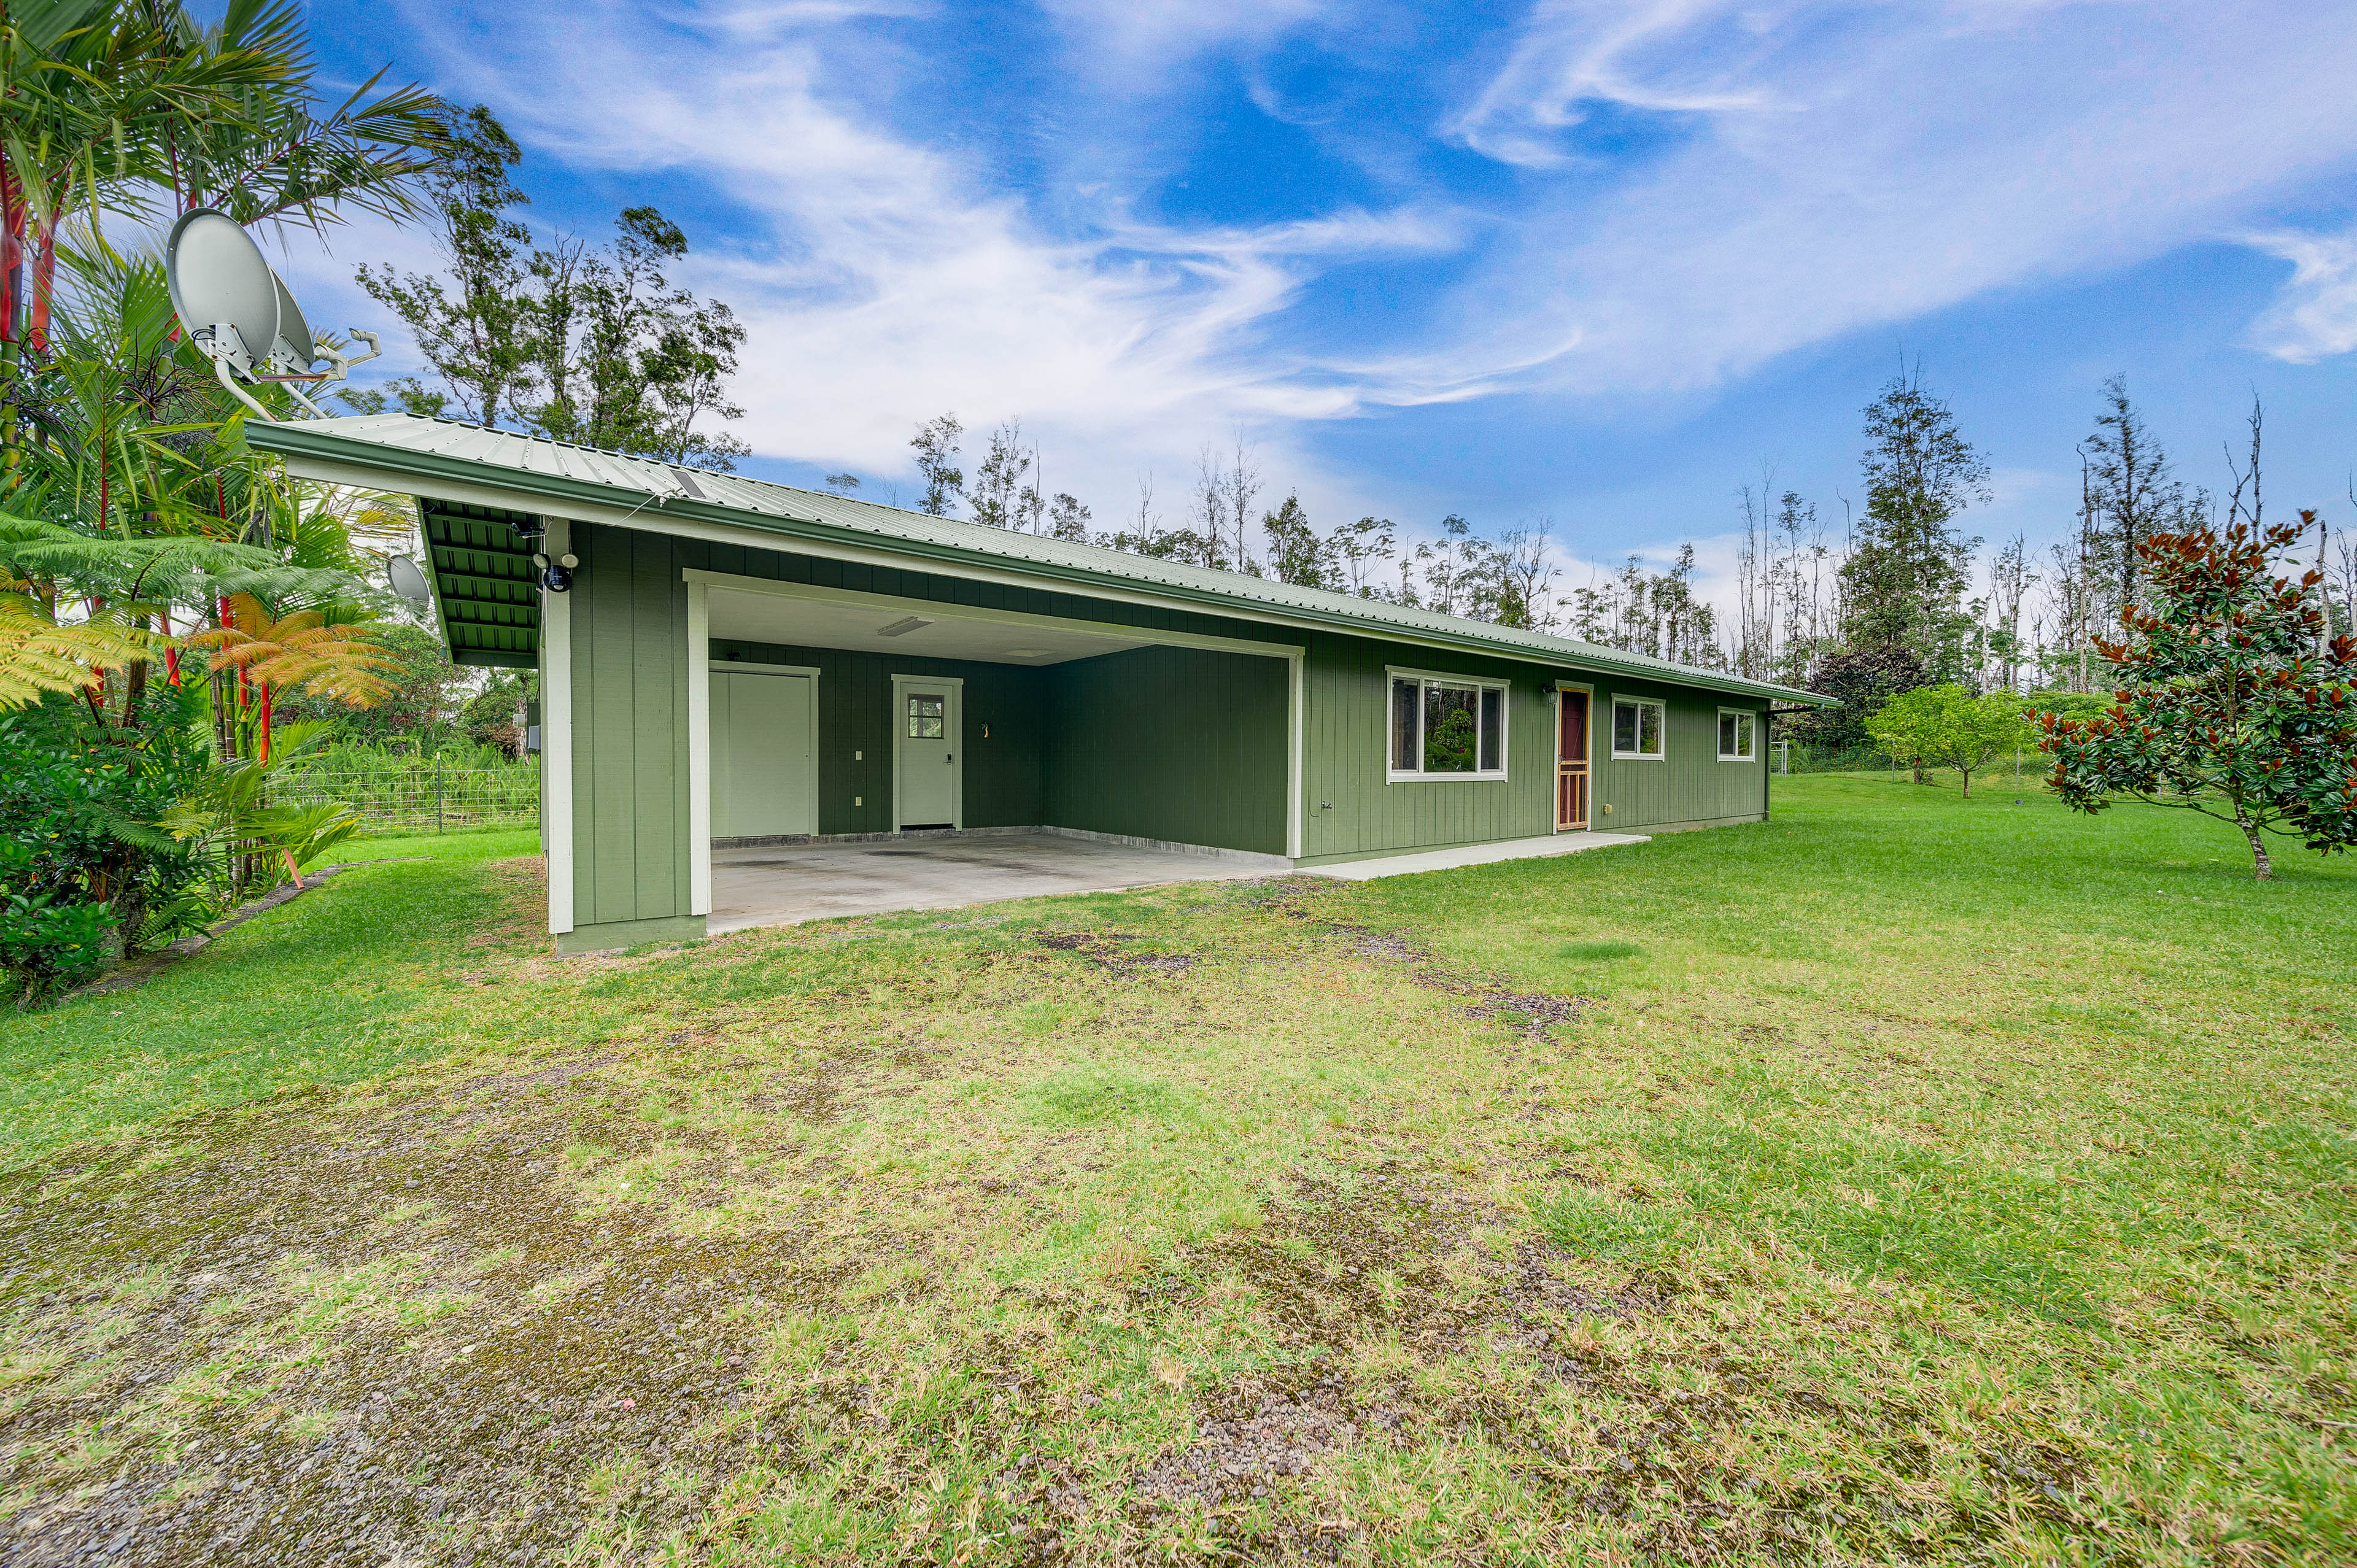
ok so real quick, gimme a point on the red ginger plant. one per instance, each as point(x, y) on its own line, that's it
point(2232, 701)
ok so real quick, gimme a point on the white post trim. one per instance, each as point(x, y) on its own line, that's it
point(1293, 769)
point(556, 731)
point(699, 748)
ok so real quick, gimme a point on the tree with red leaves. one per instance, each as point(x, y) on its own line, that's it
point(2232, 702)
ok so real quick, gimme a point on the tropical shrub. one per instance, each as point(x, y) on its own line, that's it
point(243, 818)
point(86, 874)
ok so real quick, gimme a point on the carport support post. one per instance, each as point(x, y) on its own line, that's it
point(557, 732)
point(1293, 743)
point(699, 747)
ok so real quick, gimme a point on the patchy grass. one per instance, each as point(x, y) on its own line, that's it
point(1906, 1178)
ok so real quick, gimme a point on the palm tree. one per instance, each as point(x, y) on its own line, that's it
point(110, 103)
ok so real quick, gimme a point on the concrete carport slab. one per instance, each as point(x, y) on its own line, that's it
point(780, 885)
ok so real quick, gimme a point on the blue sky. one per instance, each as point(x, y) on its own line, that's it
point(1596, 263)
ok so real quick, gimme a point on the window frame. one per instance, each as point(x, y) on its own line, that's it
point(1479, 684)
point(1750, 717)
point(1613, 736)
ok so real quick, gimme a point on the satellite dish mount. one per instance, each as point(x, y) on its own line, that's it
point(243, 316)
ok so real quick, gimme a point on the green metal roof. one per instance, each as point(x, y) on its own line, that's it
point(425, 457)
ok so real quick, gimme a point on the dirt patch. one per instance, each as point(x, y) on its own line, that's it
point(1249, 1437)
point(1533, 1014)
point(1106, 951)
point(1530, 1013)
point(1397, 1255)
point(548, 1077)
point(371, 1346)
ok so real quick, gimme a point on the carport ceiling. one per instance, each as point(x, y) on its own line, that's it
point(940, 631)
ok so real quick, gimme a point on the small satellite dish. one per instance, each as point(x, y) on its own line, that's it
point(219, 280)
point(244, 317)
point(297, 350)
point(407, 579)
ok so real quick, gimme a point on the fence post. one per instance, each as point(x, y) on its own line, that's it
point(437, 792)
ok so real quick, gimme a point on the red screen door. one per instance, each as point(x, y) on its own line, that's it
point(1571, 761)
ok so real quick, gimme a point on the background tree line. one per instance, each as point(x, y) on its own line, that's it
point(1904, 599)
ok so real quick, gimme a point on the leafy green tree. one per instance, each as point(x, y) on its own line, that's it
point(936, 445)
point(1353, 548)
point(422, 693)
point(1903, 583)
point(1069, 518)
point(1905, 727)
point(2231, 699)
point(627, 361)
point(474, 329)
point(1863, 680)
point(1001, 486)
point(1982, 730)
point(489, 717)
point(1295, 554)
point(2129, 488)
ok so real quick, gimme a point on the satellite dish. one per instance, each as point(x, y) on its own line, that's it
point(296, 349)
point(219, 280)
point(406, 579)
point(244, 317)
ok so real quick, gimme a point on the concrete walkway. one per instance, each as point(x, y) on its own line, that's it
point(781, 885)
point(1468, 855)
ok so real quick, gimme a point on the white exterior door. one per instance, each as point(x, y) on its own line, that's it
point(925, 774)
point(764, 754)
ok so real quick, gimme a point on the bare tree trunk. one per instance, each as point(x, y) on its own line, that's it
point(2264, 868)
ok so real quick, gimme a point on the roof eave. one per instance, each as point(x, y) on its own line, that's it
point(340, 453)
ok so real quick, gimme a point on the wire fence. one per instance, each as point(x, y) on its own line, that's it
point(427, 799)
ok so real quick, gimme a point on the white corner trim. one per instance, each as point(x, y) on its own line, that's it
point(1612, 730)
point(1295, 730)
point(699, 750)
point(557, 732)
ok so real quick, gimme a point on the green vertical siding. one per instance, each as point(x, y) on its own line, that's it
point(1002, 768)
point(630, 736)
point(1182, 743)
point(1689, 786)
point(1352, 806)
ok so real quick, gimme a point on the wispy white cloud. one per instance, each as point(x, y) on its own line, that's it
point(2315, 317)
point(882, 279)
point(1686, 189)
point(1803, 171)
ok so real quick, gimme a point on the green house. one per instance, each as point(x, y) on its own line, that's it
point(740, 662)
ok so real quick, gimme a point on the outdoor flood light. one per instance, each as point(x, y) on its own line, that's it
point(557, 575)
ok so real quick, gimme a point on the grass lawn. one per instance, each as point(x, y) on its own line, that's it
point(1905, 1179)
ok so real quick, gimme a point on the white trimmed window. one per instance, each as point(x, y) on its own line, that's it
point(1737, 738)
point(1447, 726)
point(1639, 727)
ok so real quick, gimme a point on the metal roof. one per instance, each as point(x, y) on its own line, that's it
point(409, 451)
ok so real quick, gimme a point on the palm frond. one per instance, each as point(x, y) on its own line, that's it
point(38, 656)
